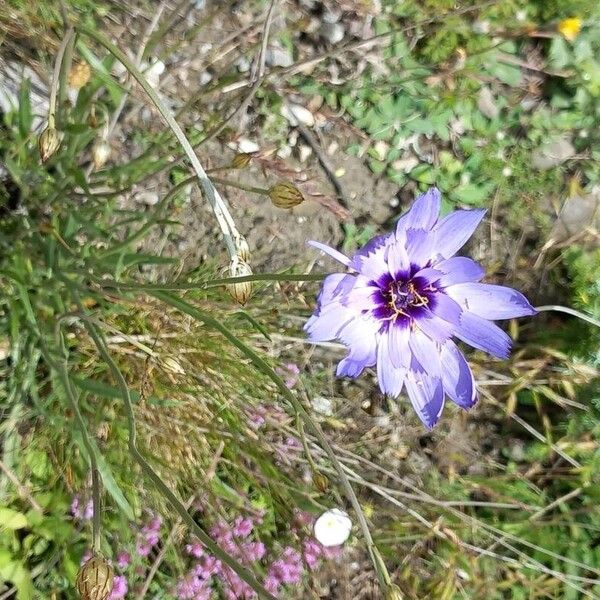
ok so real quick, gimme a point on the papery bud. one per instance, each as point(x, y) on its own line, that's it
point(321, 482)
point(79, 75)
point(241, 160)
point(100, 153)
point(240, 292)
point(285, 195)
point(243, 250)
point(393, 593)
point(95, 579)
point(48, 143)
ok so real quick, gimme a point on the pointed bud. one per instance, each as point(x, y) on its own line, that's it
point(393, 593)
point(241, 160)
point(240, 292)
point(95, 579)
point(243, 250)
point(285, 195)
point(100, 153)
point(48, 143)
point(321, 482)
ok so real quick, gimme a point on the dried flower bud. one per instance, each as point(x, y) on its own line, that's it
point(48, 143)
point(95, 579)
point(100, 153)
point(243, 250)
point(240, 292)
point(285, 195)
point(393, 593)
point(79, 75)
point(321, 482)
point(241, 160)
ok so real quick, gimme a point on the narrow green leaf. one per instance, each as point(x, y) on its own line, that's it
point(25, 114)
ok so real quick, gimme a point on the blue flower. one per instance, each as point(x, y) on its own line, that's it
point(402, 300)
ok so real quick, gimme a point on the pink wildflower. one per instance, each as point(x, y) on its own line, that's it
point(119, 588)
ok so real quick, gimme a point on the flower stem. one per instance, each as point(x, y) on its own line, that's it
point(163, 489)
point(56, 77)
point(263, 366)
point(218, 205)
point(568, 311)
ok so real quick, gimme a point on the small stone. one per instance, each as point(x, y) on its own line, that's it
point(486, 103)
point(205, 77)
point(284, 151)
point(323, 405)
point(276, 56)
point(304, 152)
point(243, 64)
point(333, 33)
point(405, 165)
point(577, 213)
point(552, 154)
point(148, 198)
point(247, 146)
point(294, 114)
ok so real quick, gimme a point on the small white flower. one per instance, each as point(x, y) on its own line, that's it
point(333, 527)
point(507, 171)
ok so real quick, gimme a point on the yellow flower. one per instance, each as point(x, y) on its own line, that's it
point(570, 27)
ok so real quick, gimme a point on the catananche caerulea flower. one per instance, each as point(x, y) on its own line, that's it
point(402, 300)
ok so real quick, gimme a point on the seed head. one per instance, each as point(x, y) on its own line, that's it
point(285, 195)
point(393, 593)
point(240, 292)
point(243, 250)
point(321, 482)
point(48, 143)
point(241, 160)
point(95, 579)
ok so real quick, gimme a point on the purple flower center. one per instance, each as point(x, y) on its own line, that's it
point(402, 298)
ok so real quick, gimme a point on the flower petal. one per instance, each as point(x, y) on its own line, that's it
point(446, 308)
point(389, 377)
point(426, 351)
point(483, 335)
point(332, 286)
point(350, 368)
point(423, 213)
point(458, 269)
point(397, 259)
point(420, 246)
point(331, 252)
point(436, 328)
point(491, 301)
point(457, 376)
point(426, 395)
point(360, 336)
point(455, 229)
point(399, 351)
point(327, 324)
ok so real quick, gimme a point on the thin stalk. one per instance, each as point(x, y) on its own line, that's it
point(218, 205)
point(241, 186)
point(56, 77)
point(568, 311)
point(262, 365)
point(201, 285)
point(164, 490)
